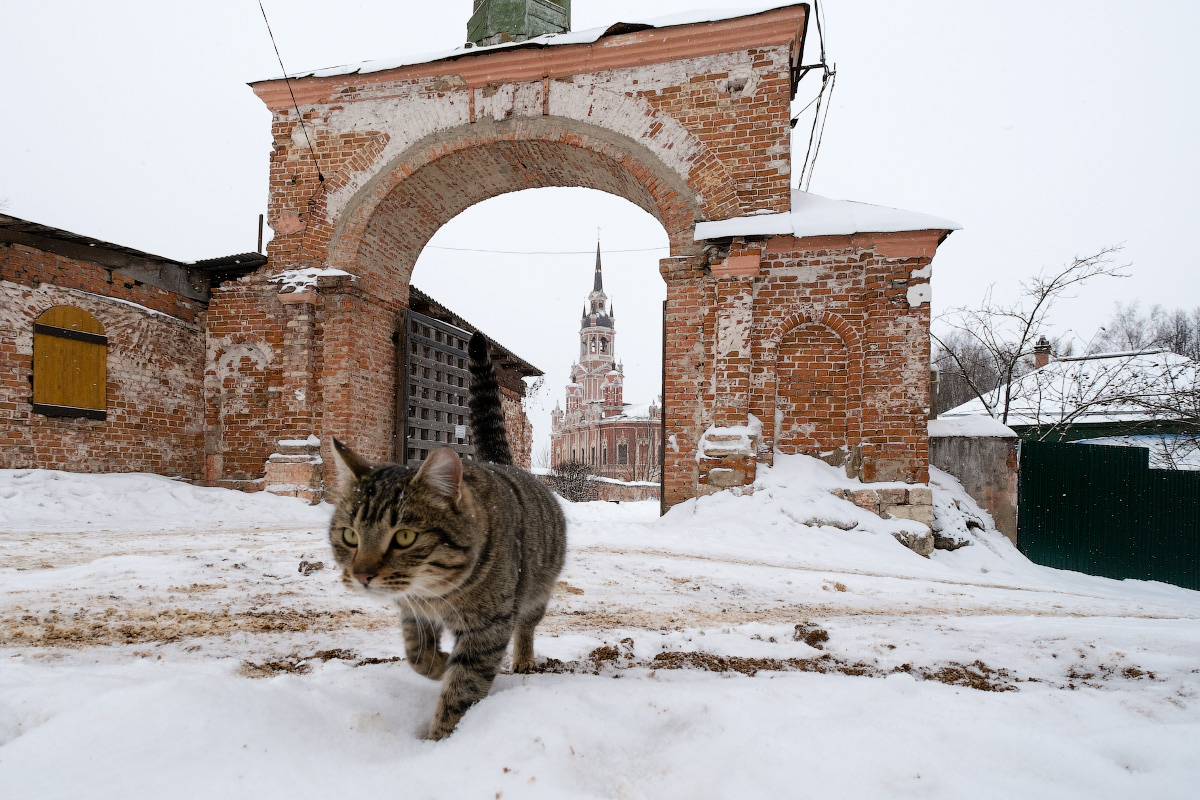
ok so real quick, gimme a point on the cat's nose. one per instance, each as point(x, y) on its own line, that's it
point(364, 577)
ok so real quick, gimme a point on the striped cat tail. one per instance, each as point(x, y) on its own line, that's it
point(487, 415)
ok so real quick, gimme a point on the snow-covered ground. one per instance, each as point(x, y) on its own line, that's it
point(163, 640)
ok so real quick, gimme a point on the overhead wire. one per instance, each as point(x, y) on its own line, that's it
point(821, 135)
point(824, 99)
point(288, 81)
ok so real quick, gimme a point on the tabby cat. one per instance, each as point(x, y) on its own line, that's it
point(473, 547)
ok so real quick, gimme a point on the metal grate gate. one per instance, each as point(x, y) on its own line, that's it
point(434, 382)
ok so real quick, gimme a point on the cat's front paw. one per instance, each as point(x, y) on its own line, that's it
point(524, 666)
point(436, 732)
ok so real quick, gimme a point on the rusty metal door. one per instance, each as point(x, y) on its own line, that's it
point(433, 387)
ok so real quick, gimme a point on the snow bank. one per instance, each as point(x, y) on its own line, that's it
point(43, 499)
point(100, 699)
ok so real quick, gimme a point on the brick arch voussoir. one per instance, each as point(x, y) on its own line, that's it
point(711, 189)
point(807, 316)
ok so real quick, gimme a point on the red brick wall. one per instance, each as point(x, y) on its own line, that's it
point(517, 427)
point(812, 366)
point(854, 288)
point(242, 374)
point(153, 371)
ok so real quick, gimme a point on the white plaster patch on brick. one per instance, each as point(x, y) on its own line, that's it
point(804, 273)
point(300, 136)
point(924, 272)
point(406, 120)
point(742, 82)
point(143, 309)
point(733, 331)
point(655, 77)
point(509, 100)
point(633, 117)
point(919, 293)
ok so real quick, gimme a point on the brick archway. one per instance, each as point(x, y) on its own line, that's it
point(383, 227)
point(689, 121)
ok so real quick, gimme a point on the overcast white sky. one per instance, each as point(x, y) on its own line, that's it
point(1047, 129)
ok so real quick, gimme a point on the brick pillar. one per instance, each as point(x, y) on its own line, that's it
point(734, 308)
point(295, 467)
point(684, 386)
point(358, 370)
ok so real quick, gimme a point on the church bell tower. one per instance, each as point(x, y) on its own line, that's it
point(598, 373)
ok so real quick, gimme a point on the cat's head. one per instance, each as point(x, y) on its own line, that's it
point(403, 531)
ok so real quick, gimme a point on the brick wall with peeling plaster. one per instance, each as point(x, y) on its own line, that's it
point(154, 366)
point(756, 327)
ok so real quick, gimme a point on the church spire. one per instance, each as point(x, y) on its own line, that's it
point(598, 286)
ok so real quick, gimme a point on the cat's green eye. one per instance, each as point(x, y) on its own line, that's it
point(350, 537)
point(405, 537)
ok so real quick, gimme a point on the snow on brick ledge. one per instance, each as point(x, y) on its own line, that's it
point(733, 440)
point(813, 215)
point(975, 425)
point(297, 280)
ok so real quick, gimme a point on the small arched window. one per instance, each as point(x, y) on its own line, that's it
point(582, 348)
point(70, 354)
point(593, 341)
point(603, 345)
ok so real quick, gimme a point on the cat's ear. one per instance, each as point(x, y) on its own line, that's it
point(442, 472)
point(350, 465)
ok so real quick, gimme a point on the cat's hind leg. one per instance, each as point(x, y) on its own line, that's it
point(523, 639)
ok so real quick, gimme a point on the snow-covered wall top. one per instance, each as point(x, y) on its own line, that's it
point(978, 425)
point(548, 40)
point(813, 215)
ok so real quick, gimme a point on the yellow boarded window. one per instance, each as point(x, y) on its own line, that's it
point(70, 352)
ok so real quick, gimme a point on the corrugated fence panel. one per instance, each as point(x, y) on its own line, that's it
point(1103, 511)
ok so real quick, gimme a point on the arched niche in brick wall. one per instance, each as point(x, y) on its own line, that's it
point(238, 387)
point(817, 382)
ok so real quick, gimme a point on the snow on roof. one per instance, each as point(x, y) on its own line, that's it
point(813, 215)
point(588, 36)
point(1167, 451)
point(974, 425)
point(1101, 388)
point(635, 411)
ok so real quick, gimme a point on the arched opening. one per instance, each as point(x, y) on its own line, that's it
point(520, 266)
point(383, 229)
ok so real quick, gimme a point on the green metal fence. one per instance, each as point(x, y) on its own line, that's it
point(1103, 511)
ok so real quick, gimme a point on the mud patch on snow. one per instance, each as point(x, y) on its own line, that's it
point(152, 624)
point(295, 664)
